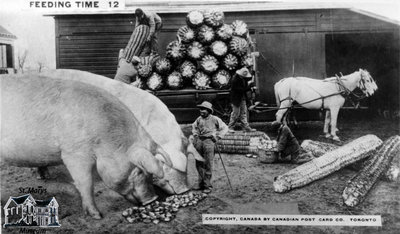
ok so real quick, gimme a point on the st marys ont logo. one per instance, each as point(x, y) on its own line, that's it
point(24, 211)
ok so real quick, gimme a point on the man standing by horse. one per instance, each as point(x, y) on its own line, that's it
point(152, 20)
point(241, 83)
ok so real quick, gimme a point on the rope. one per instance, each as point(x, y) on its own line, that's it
point(272, 66)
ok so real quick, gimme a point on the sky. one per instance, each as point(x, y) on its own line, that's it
point(36, 33)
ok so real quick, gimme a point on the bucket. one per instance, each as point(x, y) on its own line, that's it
point(266, 156)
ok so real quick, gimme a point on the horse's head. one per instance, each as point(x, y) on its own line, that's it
point(367, 83)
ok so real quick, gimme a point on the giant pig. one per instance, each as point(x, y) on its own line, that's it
point(47, 121)
point(155, 118)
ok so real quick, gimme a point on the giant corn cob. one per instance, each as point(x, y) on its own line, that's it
point(225, 32)
point(241, 142)
point(220, 79)
point(155, 82)
point(393, 173)
point(201, 80)
point(144, 70)
point(187, 69)
point(175, 51)
point(239, 28)
point(218, 48)
point(174, 80)
point(186, 34)
point(195, 50)
point(361, 184)
point(209, 64)
point(163, 66)
point(205, 35)
point(214, 18)
point(136, 42)
point(327, 164)
point(230, 62)
point(238, 46)
point(319, 148)
point(194, 19)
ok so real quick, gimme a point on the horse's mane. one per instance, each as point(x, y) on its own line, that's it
point(334, 78)
point(330, 79)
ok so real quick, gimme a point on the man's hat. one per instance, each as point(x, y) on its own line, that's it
point(207, 106)
point(244, 72)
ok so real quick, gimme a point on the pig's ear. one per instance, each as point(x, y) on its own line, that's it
point(191, 150)
point(145, 160)
point(161, 158)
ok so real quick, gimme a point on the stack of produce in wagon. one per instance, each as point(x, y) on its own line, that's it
point(206, 54)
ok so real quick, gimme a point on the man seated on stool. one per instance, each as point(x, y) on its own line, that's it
point(207, 130)
point(288, 148)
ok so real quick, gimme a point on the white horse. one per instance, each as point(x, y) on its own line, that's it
point(328, 94)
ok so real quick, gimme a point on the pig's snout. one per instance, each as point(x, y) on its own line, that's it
point(170, 187)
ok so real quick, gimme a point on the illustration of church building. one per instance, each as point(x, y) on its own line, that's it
point(26, 211)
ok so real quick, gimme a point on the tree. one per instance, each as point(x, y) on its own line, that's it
point(22, 60)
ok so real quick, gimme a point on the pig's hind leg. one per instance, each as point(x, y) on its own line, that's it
point(80, 165)
point(43, 173)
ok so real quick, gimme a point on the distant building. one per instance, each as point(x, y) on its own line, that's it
point(7, 63)
point(26, 211)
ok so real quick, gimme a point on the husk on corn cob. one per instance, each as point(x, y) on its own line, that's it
point(327, 163)
point(359, 186)
point(317, 148)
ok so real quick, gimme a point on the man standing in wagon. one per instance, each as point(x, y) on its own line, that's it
point(152, 20)
point(240, 84)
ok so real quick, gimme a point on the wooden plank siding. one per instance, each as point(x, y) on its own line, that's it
point(91, 42)
point(291, 42)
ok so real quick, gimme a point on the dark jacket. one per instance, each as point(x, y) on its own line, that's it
point(239, 87)
point(287, 142)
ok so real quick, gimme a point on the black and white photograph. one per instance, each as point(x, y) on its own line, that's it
point(203, 116)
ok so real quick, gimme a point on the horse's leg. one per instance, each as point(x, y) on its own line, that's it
point(281, 112)
point(327, 122)
point(334, 115)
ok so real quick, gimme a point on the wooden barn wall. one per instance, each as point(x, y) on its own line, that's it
point(290, 42)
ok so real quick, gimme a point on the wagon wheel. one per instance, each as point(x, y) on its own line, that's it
point(222, 108)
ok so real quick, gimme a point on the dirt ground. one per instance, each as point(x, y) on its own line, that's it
point(253, 194)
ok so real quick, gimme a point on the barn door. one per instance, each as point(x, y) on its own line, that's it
point(376, 52)
point(288, 54)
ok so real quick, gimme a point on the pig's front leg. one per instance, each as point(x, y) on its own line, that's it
point(80, 165)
